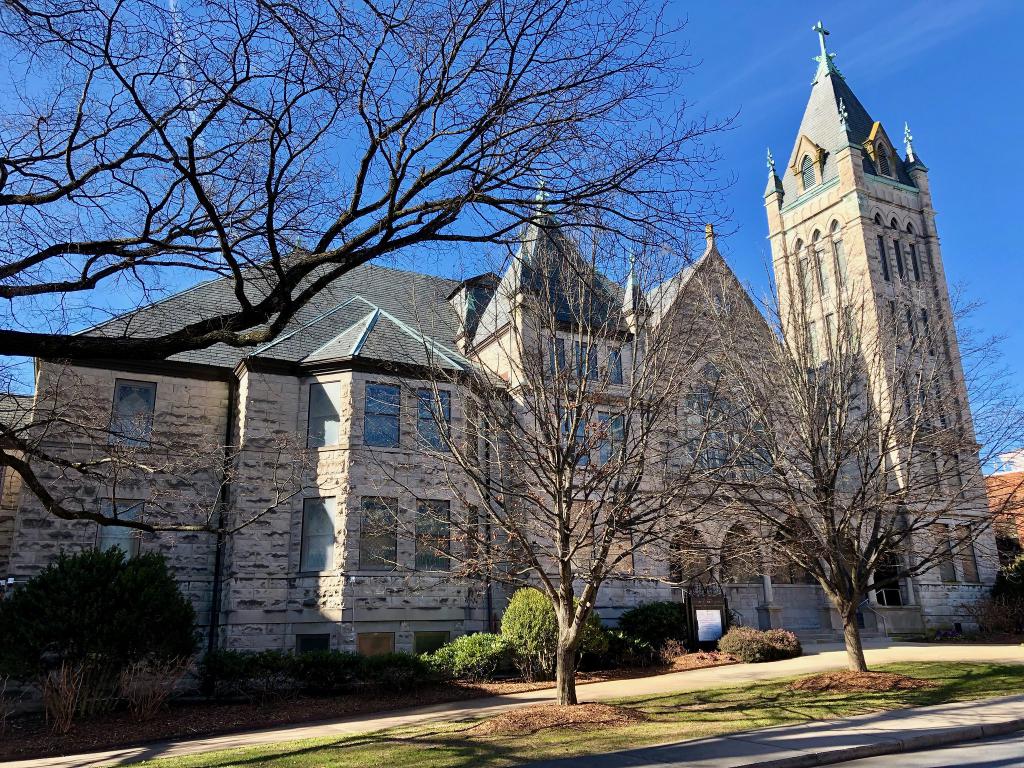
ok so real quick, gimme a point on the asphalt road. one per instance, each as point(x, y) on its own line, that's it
point(1002, 752)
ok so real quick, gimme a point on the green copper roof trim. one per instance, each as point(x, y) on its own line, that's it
point(811, 194)
point(893, 183)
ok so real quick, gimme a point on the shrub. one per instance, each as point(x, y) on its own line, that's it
point(754, 646)
point(471, 657)
point(75, 626)
point(531, 629)
point(256, 676)
point(1010, 581)
point(1001, 615)
point(656, 623)
point(327, 671)
point(626, 651)
point(147, 685)
point(397, 671)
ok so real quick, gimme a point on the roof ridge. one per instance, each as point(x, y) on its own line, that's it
point(425, 338)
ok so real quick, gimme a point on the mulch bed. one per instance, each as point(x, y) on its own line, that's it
point(538, 717)
point(860, 682)
point(29, 736)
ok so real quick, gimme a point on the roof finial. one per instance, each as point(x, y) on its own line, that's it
point(843, 116)
point(709, 235)
point(771, 162)
point(542, 193)
point(824, 59)
point(908, 142)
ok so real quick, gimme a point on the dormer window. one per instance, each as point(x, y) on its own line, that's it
point(882, 154)
point(807, 178)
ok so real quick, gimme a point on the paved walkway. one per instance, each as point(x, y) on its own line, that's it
point(822, 742)
point(818, 658)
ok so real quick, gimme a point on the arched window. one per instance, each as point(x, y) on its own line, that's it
point(878, 219)
point(893, 224)
point(784, 570)
point(883, 159)
point(689, 562)
point(824, 281)
point(910, 229)
point(807, 172)
point(740, 561)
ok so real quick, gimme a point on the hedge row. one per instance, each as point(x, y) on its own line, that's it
point(274, 673)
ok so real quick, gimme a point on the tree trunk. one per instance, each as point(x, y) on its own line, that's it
point(854, 648)
point(565, 674)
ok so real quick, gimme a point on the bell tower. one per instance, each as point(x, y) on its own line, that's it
point(849, 215)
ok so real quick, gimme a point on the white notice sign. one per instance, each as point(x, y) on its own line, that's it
point(709, 625)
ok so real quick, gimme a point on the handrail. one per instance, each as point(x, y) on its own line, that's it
point(871, 607)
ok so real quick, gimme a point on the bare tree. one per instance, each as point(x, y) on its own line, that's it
point(145, 147)
point(872, 471)
point(588, 449)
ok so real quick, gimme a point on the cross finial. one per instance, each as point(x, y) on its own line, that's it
point(771, 162)
point(908, 142)
point(822, 32)
point(843, 115)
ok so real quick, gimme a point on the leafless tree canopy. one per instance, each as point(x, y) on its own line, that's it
point(874, 471)
point(592, 442)
point(147, 145)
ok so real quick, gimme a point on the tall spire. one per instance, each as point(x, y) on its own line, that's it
point(908, 142)
point(774, 182)
point(825, 64)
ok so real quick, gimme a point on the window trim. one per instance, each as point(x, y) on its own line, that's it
point(443, 399)
point(309, 414)
point(115, 438)
point(331, 511)
point(807, 165)
point(367, 413)
point(391, 505)
point(132, 535)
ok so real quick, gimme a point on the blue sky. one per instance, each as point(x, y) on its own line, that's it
point(951, 69)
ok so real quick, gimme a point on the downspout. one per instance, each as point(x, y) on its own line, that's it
point(223, 499)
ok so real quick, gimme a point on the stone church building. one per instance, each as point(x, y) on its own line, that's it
point(338, 388)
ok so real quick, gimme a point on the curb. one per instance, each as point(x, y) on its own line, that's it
point(940, 738)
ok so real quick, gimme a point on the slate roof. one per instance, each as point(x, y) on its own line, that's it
point(821, 124)
point(371, 312)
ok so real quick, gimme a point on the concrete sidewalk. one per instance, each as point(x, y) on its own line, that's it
point(818, 658)
point(825, 742)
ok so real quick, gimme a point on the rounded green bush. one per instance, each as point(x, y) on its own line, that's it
point(656, 623)
point(471, 657)
point(754, 646)
point(531, 629)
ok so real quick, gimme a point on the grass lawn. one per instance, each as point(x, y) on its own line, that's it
point(671, 717)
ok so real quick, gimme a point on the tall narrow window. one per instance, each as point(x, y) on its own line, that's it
point(381, 411)
point(585, 356)
point(914, 263)
point(883, 159)
point(556, 356)
point(433, 417)
point(575, 443)
point(824, 283)
point(926, 331)
point(840, 254)
point(614, 365)
point(808, 278)
point(944, 553)
point(324, 414)
point(613, 431)
point(807, 177)
point(317, 550)
point(128, 540)
point(378, 534)
point(882, 257)
point(968, 557)
point(911, 327)
point(899, 258)
point(433, 537)
point(131, 421)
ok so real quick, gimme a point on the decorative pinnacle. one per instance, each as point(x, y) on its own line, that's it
point(843, 115)
point(542, 195)
point(771, 162)
point(908, 142)
point(822, 32)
